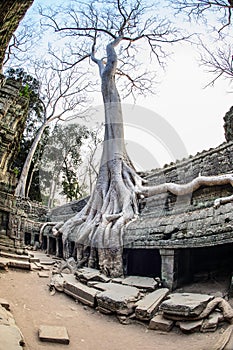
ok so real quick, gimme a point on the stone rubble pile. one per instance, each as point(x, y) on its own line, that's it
point(136, 298)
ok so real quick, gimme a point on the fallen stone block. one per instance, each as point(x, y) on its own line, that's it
point(54, 334)
point(18, 264)
point(79, 291)
point(210, 324)
point(148, 306)
point(4, 303)
point(11, 338)
point(43, 274)
point(117, 280)
point(117, 298)
point(57, 281)
point(160, 323)
point(34, 267)
point(4, 263)
point(147, 284)
point(185, 304)
point(189, 326)
point(88, 274)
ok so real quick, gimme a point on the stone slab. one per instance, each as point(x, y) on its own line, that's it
point(160, 323)
point(47, 262)
point(210, 324)
point(185, 304)
point(14, 256)
point(54, 334)
point(79, 291)
point(148, 305)
point(89, 274)
point(43, 274)
point(117, 298)
point(25, 265)
point(3, 263)
point(11, 338)
point(4, 303)
point(190, 326)
point(145, 283)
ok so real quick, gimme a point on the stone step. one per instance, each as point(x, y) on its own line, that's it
point(79, 291)
point(14, 256)
point(148, 305)
point(20, 264)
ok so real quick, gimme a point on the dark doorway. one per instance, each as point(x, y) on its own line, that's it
point(142, 262)
point(52, 246)
point(27, 238)
point(212, 260)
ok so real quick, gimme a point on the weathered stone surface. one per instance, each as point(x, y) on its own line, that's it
point(189, 326)
point(79, 291)
point(6, 318)
point(210, 324)
point(54, 334)
point(4, 303)
point(185, 304)
point(14, 256)
point(57, 281)
point(145, 283)
point(147, 306)
point(117, 298)
point(11, 338)
point(3, 264)
point(160, 323)
point(43, 274)
point(88, 274)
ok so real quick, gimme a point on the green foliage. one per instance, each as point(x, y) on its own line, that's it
point(62, 158)
point(30, 88)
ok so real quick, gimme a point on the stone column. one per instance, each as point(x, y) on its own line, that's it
point(169, 267)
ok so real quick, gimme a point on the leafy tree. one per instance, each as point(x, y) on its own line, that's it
point(61, 95)
point(62, 157)
point(29, 89)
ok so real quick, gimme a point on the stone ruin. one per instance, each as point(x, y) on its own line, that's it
point(175, 240)
point(20, 218)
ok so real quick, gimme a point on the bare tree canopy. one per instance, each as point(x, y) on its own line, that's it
point(221, 9)
point(113, 35)
point(11, 13)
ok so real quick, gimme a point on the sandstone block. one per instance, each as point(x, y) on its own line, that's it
point(146, 283)
point(148, 306)
point(185, 304)
point(160, 323)
point(54, 334)
point(79, 291)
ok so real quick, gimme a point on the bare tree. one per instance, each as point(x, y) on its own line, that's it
point(62, 95)
point(98, 229)
point(11, 13)
point(200, 9)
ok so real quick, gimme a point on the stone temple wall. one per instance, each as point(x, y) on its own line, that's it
point(13, 114)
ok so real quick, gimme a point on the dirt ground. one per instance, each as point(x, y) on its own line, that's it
point(32, 306)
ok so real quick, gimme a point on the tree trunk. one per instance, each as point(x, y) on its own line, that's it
point(21, 187)
point(99, 227)
point(11, 13)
